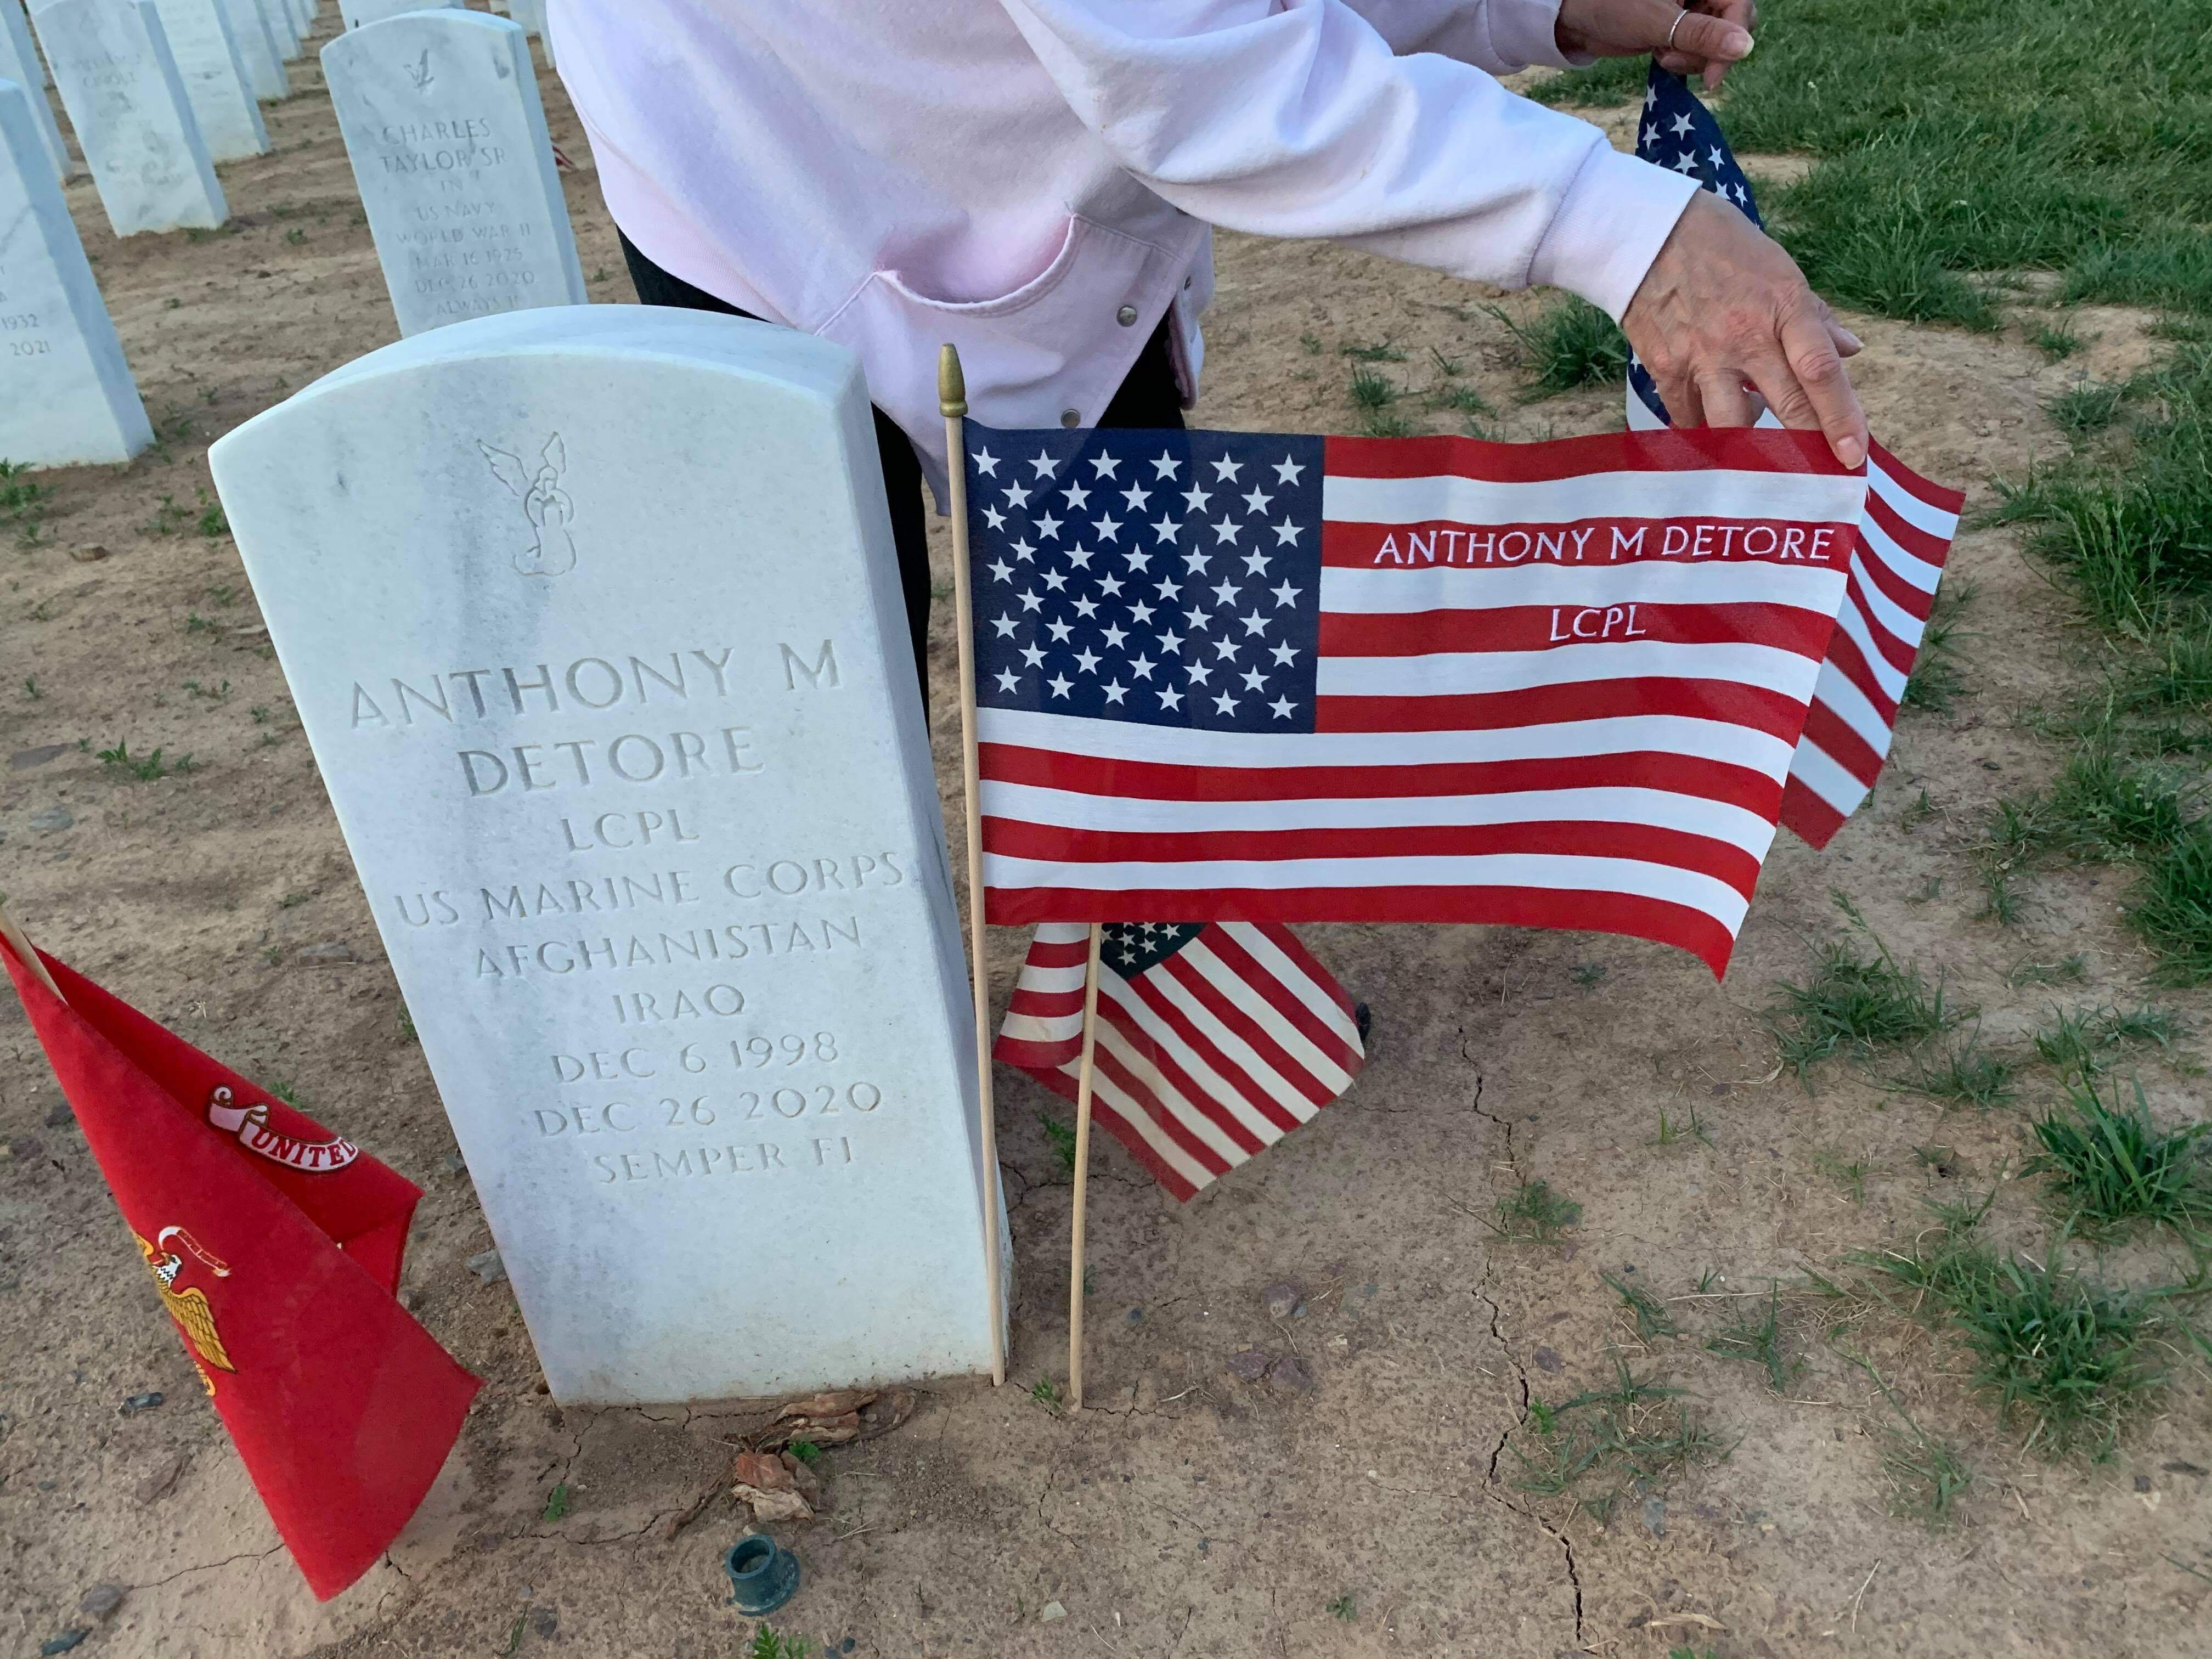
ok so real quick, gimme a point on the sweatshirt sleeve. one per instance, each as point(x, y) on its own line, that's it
point(1501, 36)
point(1295, 119)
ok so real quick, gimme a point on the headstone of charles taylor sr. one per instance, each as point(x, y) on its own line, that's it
point(66, 396)
point(441, 120)
point(212, 62)
point(134, 122)
point(19, 62)
point(633, 768)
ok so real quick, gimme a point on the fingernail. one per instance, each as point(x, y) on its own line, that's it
point(1736, 44)
point(1850, 451)
point(1748, 43)
point(1851, 339)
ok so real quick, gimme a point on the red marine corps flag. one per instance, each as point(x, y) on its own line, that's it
point(275, 1246)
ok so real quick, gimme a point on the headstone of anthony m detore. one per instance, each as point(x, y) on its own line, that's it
point(633, 766)
point(442, 123)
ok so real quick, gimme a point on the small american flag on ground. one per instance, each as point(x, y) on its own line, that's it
point(1215, 1040)
point(1899, 552)
point(1257, 678)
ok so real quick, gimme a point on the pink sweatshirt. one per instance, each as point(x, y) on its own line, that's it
point(1034, 180)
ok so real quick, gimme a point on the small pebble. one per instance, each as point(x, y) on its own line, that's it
point(1547, 1359)
point(1251, 1364)
point(142, 1402)
point(453, 1164)
point(100, 1600)
point(1290, 1372)
point(1282, 1298)
point(329, 952)
point(1654, 1516)
point(62, 1644)
point(487, 1266)
point(59, 1117)
point(1050, 1612)
point(53, 818)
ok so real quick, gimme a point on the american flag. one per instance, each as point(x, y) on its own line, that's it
point(1249, 676)
point(1897, 557)
point(1215, 1039)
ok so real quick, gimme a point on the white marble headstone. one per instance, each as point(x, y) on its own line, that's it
point(119, 84)
point(634, 770)
point(531, 14)
point(66, 396)
point(257, 49)
point(441, 119)
point(283, 34)
point(358, 12)
point(20, 63)
point(213, 70)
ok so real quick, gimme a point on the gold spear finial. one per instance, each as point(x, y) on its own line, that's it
point(951, 385)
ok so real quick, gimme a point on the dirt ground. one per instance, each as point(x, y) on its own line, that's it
point(1189, 1512)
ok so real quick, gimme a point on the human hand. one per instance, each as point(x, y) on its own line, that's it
point(1721, 305)
point(1706, 39)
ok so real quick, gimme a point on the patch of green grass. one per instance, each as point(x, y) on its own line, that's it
point(1608, 80)
point(2105, 803)
point(806, 1452)
point(144, 768)
point(1449, 367)
point(2135, 539)
point(168, 519)
point(1379, 351)
point(211, 522)
point(2110, 1165)
point(1756, 1338)
point(2058, 341)
point(2081, 1041)
point(556, 1505)
point(1635, 1432)
point(1927, 1477)
point(2083, 410)
point(1672, 1131)
point(1342, 1607)
point(1533, 1214)
point(2070, 1356)
point(1851, 1176)
point(2172, 908)
point(767, 1644)
point(1856, 1003)
point(1370, 390)
point(1311, 343)
point(1062, 1138)
point(1934, 684)
point(1652, 1319)
point(1387, 423)
point(31, 692)
point(1588, 974)
point(1465, 399)
point(1569, 343)
point(1046, 1393)
point(1961, 1074)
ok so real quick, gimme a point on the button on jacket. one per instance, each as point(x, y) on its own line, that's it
point(1034, 180)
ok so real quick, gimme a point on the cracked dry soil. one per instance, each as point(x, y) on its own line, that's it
point(1189, 1512)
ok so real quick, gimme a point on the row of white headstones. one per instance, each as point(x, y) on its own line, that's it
point(439, 109)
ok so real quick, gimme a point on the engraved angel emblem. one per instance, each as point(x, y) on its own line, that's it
point(544, 503)
point(419, 71)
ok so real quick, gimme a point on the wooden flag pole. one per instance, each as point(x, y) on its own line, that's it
point(21, 945)
point(1082, 1171)
point(952, 404)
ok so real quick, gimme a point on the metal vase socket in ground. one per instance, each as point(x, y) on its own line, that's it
point(764, 1575)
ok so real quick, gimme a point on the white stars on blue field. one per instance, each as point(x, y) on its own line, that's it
point(1188, 596)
